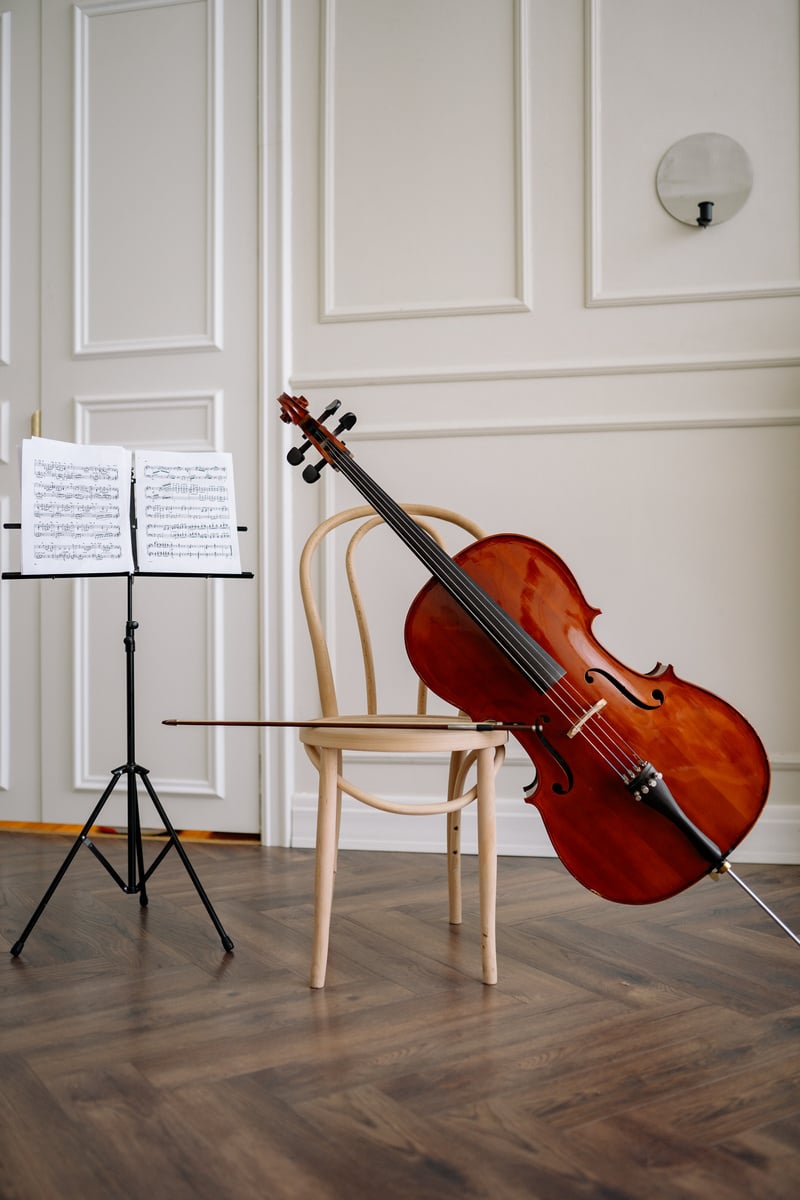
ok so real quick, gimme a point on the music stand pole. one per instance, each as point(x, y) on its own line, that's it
point(137, 875)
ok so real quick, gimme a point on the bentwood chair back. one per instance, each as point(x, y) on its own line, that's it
point(412, 732)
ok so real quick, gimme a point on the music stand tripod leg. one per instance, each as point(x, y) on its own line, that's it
point(135, 848)
point(76, 845)
point(184, 857)
point(137, 876)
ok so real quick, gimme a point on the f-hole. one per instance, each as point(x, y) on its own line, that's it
point(657, 694)
point(558, 788)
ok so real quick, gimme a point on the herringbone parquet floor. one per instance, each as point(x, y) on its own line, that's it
point(625, 1053)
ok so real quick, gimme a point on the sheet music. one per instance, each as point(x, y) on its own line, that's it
point(75, 508)
point(186, 512)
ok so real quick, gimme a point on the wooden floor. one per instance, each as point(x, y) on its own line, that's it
point(626, 1053)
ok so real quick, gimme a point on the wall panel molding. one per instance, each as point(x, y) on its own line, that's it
point(206, 406)
point(332, 307)
point(85, 343)
point(276, 486)
point(303, 381)
point(652, 424)
point(776, 837)
point(143, 408)
point(210, 786)
point(364, 432)
point(598, 291)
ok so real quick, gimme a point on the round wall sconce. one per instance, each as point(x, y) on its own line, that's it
point(704, 179)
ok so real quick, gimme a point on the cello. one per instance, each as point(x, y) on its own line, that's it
point(645, 783)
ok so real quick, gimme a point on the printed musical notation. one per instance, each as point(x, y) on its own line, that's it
point(82, 506)
point(186, 512)
point(75, 508)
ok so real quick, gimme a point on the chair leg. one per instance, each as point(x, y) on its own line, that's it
point(338, 812)
point(487, 863)
point(454, 866)
point(454, 844)
point(325, 866)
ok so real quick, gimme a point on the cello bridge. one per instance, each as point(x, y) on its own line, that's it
point(590, 712)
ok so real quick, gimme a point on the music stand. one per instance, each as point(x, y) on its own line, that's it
point(137, 874)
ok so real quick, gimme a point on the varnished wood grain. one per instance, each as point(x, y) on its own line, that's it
point(626, 1052)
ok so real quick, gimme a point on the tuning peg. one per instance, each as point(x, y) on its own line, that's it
point(297, 453)
point(333, 407)
point(312, 472)
point(346, 422)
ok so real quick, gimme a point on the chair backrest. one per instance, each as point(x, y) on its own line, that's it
point(433, 519)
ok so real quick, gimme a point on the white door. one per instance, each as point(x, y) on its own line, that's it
point(148, 322)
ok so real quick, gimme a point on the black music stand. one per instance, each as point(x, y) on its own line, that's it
point(137, 874)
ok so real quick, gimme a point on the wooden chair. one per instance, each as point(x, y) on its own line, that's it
point(325, 745)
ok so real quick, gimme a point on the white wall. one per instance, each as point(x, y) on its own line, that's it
point(479, 266)
point(461, 238)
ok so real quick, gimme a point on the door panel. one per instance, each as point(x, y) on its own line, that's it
point(149, 338)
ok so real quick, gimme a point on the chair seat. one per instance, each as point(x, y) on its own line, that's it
point(367, 733)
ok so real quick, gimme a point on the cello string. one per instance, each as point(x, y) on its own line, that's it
point(506, 632)
point(519, 645)
point(548, 687)
point(464, 588)
point(568, 695)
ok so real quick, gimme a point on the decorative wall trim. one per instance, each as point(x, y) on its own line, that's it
point(785, 762)
point(520, 831)
point(137, 346)
point(397, 430)
point(211, 337)
point(521, 302)
point(610, 424)
point(5, 187)
point(211, 404)
point(629, 299)
point(596, 294)
point(208, 403)
point(276, 551)
point(533, 427)
point(212, 786)
point(303, 381)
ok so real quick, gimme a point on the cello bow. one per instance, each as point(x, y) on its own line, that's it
point(380, 723)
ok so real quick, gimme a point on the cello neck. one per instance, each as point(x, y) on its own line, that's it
point(522, 650)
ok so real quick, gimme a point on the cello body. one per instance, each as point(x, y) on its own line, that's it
point(644, 782)
point(711, 759)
